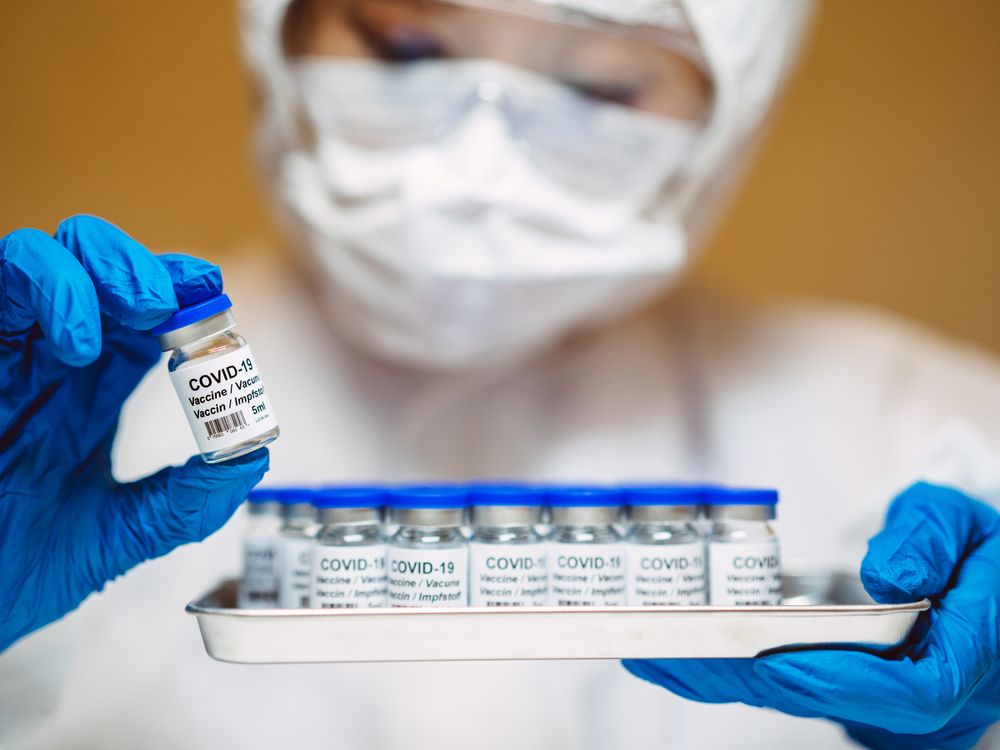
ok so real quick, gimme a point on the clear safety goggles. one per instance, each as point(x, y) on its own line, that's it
point(655, 70)
point(595, 103)
point(601, 149)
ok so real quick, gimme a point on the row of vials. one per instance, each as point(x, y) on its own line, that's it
point(510, 545)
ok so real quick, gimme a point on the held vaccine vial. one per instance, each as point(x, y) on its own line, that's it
point(217, 380)
point(298, 531)
point(349, 553)
point(665, 554)
point(428, 556)
point(507, 556)
point(585, 550)
point(744, 563)
point(259, 586)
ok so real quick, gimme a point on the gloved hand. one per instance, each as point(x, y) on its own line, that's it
point(73, 311)
point(942, 690)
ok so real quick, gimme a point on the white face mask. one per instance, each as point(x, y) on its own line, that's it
point(457, 240)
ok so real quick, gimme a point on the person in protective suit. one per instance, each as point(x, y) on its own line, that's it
point(491, 202)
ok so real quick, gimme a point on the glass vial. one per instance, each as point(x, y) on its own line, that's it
point(259, 585)
point(217, 380)
point(428, 556)
point(585, 550)
point(507, 556)
point(744, 561)
point(298, 531)
point(665, 554)
point(348, 561)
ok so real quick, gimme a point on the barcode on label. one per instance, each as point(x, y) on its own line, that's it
point(222, 425)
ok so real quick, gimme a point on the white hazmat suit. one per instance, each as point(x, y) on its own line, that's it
point(837, 406)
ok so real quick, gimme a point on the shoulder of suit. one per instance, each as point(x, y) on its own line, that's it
point(829, 328)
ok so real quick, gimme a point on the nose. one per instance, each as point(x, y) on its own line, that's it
point(474, 159)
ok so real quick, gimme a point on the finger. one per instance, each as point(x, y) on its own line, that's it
point(130, 354)
point(922, 691)
point(177, 505)
point(970, 611)
point(702, 680)
point(41, 281)
point(713, 681)
point(194, 279)
point(87, 403)
point(961, 734)
point(134, 288)
point(903, 696)
point(928, 530)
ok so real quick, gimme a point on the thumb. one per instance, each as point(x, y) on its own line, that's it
point(194, 279)
point(177, 505)
point(929, 530)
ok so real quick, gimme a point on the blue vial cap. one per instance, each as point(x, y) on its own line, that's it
point(740, 496)
point(294, 495)
point(664, 494)
point(584, 496)
point(264, 495)
point(197, 312)
point(349, 496)
point(505, 493)
point(428, 496)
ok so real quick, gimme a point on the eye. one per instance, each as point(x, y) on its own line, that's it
point(627, 95)
point(402, 44)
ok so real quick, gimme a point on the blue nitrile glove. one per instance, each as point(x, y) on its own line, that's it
point(942, 690)
point(73, 311)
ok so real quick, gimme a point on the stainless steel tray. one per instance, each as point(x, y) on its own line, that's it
point(821, 608)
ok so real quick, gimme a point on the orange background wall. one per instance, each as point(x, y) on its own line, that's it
point(880, 180)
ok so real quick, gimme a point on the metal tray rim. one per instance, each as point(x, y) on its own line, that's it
point(301, 636)
point(197, 607)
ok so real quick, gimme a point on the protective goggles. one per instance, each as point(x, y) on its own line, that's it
point(655, 70)
point(595, 148)
point(572, 90)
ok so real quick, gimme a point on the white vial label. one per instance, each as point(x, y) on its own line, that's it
point(296, 572)
point(507, 575)
point(224, 400)
point(744, 573)
point(348, 577)
point(259, 587)
point(666, 574)
point(428, 577)
point(586, 575)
